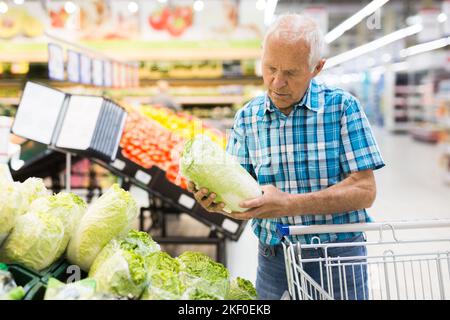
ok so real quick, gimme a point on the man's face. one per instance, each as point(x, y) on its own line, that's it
point(286, 71)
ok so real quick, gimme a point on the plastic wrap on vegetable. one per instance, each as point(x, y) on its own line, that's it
point(80, 290)
point(241, 289)
point(109, 216)
point(164, 285)
point(164, 282)
point(10, 202)
point(209, 166)
point(8, 287)
point(119, 269)
point(30, 190)
point(35, 240)
point(68, 207)
point(201, 274)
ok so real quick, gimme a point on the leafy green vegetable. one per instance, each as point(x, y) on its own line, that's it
point(79, 290)
point(66, 206)
point(163, 285)
point(109, 217)
point(8, 288)
point(10, 201)
point(199, 294)
point(162, 261)
point(31, 189)
point(120, 272)
point(120, 267)
point(209, 166)
point(15, 294)
point(201, 272)
point(140, 242)
point(35, 240)
point(242, 289)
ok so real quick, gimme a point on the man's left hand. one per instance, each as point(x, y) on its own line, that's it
point(273, 204)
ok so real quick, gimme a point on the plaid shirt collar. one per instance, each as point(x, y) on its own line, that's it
point(310, 99)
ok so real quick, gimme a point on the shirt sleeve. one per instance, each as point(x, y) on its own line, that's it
point(237, 144)
point(358, 148)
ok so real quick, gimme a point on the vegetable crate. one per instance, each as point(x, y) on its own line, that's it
point(23, 277)
point(417, 269)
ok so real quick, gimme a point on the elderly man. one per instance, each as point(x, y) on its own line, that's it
point(312, 150)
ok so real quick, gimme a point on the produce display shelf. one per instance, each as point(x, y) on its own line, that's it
point(154, 181)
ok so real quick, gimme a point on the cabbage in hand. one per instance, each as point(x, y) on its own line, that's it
point(209, 166)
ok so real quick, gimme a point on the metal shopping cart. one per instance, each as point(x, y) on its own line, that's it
point(393, 269)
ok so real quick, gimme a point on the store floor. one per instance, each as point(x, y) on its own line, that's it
point(410, 187)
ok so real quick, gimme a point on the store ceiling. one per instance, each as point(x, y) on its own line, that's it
point(339, 10)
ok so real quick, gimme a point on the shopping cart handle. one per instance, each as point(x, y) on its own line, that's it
point(283, 230)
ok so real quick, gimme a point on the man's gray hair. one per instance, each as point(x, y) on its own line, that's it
point(294, 27)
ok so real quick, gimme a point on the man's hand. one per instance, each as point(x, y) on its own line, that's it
point(273, 204)
point(205, 200)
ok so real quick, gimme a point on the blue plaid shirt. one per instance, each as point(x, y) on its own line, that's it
point(324, 138)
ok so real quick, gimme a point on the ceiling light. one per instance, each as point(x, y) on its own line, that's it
point(442, 17)
point(261, 5)
point(199, 5)
point(424, 47)
point(70, 7)
point(162, 1)
point(270, 11)
point(133, 7)
point(19, 2)
point(374, 45)
point(354, 20)
point(3, 7)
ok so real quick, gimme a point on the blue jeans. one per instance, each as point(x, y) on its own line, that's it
point(271, 280)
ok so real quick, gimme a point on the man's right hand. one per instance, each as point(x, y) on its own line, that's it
point(206, 199)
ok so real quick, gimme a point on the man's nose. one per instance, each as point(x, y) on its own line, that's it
point(278, 81)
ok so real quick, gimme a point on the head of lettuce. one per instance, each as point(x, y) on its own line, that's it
point(108, 217)
point(208, 166)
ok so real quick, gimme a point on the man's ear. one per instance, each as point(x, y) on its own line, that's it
point(319, 67)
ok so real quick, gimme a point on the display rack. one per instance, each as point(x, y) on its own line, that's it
point(153, 179)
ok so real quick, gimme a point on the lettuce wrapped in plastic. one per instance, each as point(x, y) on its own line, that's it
point(207, 165)
point(79, 290)
point(8, 287)
point(31, 189)
point(164, 282)
point(163, 285)
point(199, 271)
point(120, 269)
point(108, 217)
point(10, 202)
point(35, 240)
point(162, 261)
point(68, 207)
point(242, 289)
point(199, 294)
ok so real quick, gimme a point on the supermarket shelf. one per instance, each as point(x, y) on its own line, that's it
point(210, 100)
point(9, 100)
point(206, 81)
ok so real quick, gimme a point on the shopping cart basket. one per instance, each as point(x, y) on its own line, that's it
point(394, 269)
